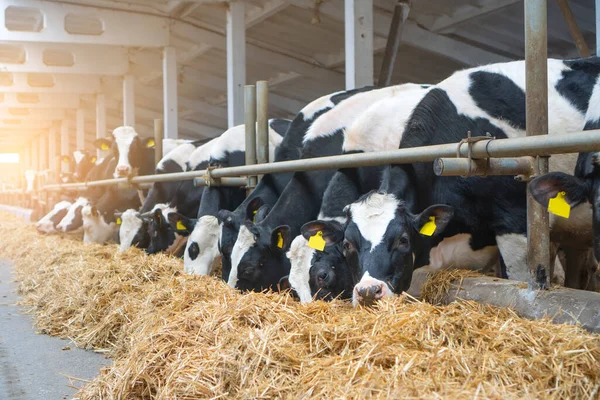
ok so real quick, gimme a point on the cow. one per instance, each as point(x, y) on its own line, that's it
point(202, 251)
point(413, 209)
point(80, 164)
point(49, 223)
point(135, 155)
point(258, 258)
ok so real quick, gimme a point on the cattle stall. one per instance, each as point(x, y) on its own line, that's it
point(160, 161)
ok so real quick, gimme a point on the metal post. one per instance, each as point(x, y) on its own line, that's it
point(574, 30)
point(536, 56)
point(171, 130)
point(358, 27)
point(250, 121)
point(262, 122)
point(393, 43)
point(64, 143)
point(100, 119)
point(158, 140)
point(53, 155)
point(236, 63)
point(43, 151)
point(129, 100)
point(80, 129)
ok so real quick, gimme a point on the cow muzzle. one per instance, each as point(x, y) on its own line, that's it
point(122, 170)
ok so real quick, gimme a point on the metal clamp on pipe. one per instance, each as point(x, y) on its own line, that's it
point(489, 166)
point(208, 180)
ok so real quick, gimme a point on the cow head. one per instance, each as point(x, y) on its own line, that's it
point(73, 218)
point(380, 240)
point(133, 230)
point(162, 237)
point(50, 221)
point(128, 148)
point(98, 227)
point(81, 163)
point(201, 255)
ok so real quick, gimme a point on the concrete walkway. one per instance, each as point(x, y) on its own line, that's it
point(33, 366)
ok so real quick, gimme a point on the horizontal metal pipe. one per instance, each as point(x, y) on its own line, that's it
point(523, 146)
point(226, 182)
point(491, 166)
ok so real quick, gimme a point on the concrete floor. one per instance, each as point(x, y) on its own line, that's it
point(33, 366)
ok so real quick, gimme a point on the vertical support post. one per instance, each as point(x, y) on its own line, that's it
point(536, 76)
point(43, 151)
point(129, 100)
point(236, 63)
point(250, 121)
point(171, 130)
point(100, 119)
point(64, 143)
point(393, 43)
point(53, 154)
point(158, 140)
point(80, 129)
point(262, 122)
point(358, 28)
point(35, 157)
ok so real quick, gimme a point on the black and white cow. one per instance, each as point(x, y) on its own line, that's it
point(383, 233)
point(203, 232)
point(135, 155)
point(48, 224)
point(80, 164)
point(259, 255)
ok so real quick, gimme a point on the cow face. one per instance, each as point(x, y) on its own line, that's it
point(162, 237)
point(128, 148)
point(96, 229)
point(83, 163)
point(574, 191)
point(380, 241)
point(258, 259)
point(133, 231)
point(201, 255)
point(73, 218)
point(50, 221)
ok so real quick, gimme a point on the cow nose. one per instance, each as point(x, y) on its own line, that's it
point(368, 295)
point(122, 170)
point(322, 277)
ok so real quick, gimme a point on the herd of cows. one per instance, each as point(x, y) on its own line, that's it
point(358, 233)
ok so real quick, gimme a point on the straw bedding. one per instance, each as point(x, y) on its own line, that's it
point(179, 337)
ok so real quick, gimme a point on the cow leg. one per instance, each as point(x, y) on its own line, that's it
point(513, 248)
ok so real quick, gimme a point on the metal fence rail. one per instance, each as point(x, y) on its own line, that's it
point(542, 145)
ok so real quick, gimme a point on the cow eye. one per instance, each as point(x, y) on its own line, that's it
point(348, 245)
point(401, 242)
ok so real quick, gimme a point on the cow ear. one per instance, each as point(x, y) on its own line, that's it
point(433, 220)
point(181, 224)
point(157, 215)
point(546, 187)
point(261, 213)
point(225, 217)
point(102, 144)
point(65, 158)
point(148, 143)
point(284, 283)
point(252, 208)
point(280, 238)
point(330, 231)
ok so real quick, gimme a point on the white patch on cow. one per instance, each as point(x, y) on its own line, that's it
point(45, 224)
point(380, 126)
point(131, 223)
point(300, 256)
point(341, 220)
point(345, 113)
point(233, 139)
point(367, 281)
point(72, 213)
point(206, 235)
point(593, 111)
point(455, 253)
point(244, 242)
point(124, 137)
point(513, 248)
point(202, 153)
point(99, 161)
point(317, 105)
point(180, 155)
point(373, 215)
point(78, 156)
point(95, 229)
point(30, 179)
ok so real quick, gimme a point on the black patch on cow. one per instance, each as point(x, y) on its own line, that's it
point(280, 125)
point(56, 218)
point(193, 251)
point(498, 96)
point(577, 84)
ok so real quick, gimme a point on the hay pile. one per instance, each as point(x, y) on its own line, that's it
point(180, 337)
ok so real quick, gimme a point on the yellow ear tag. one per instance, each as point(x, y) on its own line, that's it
point(316, 241)
point(279, 240)
point(93, 159)
point(429, 227)
point(559, 206)
point(65, 159)
point(119, 221)
point(150, 143)
point(180, 226)
point(104, 146)
point(254, 218)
